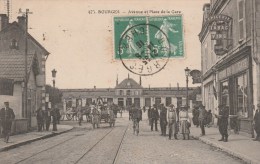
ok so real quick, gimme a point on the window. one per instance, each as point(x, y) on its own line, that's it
point(121, 92)
point(168, 101)
point(241, 19)
point(14, 44)
point(137, 102)
point(128, 101)
point(147, 101)
point(241, 95)
point(225, 93)
point(120, 101)
point(206, 57)
point(179, 102)
point(158, 100)
point(136, 93)
point(128, 92)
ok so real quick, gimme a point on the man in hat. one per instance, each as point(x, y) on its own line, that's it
point(223, 122)
point(202, 117)
point(172, 121)
point(154, 117)
point(6, 116)
point(163, 119)
point(257, 123)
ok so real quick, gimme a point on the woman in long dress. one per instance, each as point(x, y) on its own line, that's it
point(184, 123)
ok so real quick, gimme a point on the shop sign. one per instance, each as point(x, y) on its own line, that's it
point(218, 36)
point(234, 68)
point(196, 76)
point(219, 26)
point(220, 49)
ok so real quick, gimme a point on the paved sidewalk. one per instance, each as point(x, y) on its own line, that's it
point(238, 145)
point(22, 139)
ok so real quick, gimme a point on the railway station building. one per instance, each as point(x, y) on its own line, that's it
point(126, 93)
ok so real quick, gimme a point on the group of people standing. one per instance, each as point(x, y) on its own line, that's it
point(177, 120)
point(44, 118)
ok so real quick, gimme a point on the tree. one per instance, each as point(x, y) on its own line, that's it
point(55, 95)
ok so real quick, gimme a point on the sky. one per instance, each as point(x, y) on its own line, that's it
point(81, 44)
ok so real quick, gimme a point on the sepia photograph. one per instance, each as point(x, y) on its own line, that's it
point(129, 81)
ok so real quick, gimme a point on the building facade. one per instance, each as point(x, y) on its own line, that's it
point(127, 93)
point(230, 58)
point(12, 54)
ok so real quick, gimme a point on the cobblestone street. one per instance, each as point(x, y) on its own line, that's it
point(103, 145)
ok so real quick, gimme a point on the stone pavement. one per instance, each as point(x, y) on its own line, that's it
point(238, 145)
point(21, 139)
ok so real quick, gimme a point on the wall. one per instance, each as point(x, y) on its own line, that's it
point(15, 101)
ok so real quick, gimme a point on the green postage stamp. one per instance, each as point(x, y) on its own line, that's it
point(153, 37)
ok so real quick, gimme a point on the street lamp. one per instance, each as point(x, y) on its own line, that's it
point(53, 72)
point(187, 73)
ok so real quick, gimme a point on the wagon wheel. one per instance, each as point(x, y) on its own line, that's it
point(69, 116)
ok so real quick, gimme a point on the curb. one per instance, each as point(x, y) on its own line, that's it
point(243, 157)
point(33, 140)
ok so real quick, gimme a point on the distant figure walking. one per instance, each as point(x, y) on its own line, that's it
point(223, 122)
point(172, 121)
point(40, 119)
point(257, 123)
point(184, 123)
point(154, 117)
point(195, 118)
point(202, 119)
point(6, 116)
point(47, 118)
point(163, 119)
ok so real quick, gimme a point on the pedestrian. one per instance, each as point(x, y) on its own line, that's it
point(154, 117)
point(47, 118)
point(6, 116)
point(163, 119)
point(195, 114)
point(223, 122)
point(256, 123)
point(172, 121)
point(202, 119)
point(136, 117)
point(208, 118)
point(80, 115)
point(55, 116)
point(184, 122)
point(40, 119)
point(149, 111)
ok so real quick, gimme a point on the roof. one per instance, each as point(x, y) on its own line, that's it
point(77, 93)
point(181, 91)
point(13, 66)
point(128, 83)
point(30, 36)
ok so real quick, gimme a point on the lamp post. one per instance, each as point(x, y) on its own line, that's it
point(187, 73)
point(53, 72)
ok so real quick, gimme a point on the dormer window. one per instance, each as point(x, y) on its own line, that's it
point(14, 44)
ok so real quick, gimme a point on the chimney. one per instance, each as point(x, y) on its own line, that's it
point(140, 81)
point(117, 80)
point(4, 20)
point(95, 87)
point(22, 21)
point(128, 76)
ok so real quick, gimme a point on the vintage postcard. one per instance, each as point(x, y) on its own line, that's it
point(129, 81)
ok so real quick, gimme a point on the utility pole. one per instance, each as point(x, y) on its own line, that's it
point(25, 63)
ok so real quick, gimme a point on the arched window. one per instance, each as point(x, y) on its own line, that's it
point(14, 44)
point(128, 92)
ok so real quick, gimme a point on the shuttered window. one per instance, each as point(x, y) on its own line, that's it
point(241, 19)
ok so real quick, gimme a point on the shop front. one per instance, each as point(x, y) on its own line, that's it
point(235, 91)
